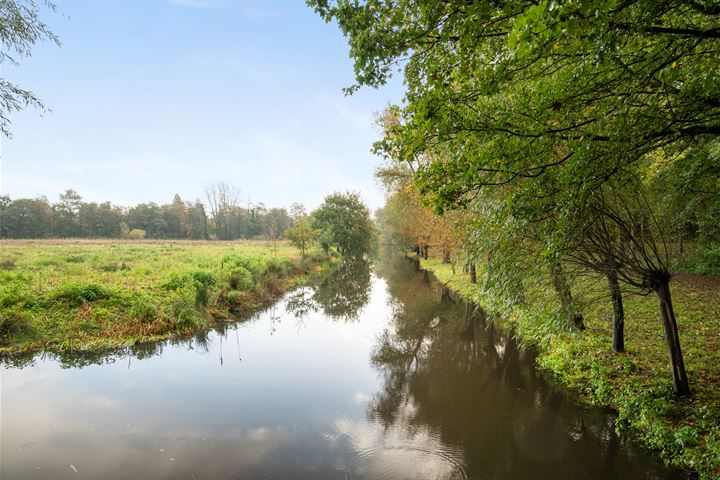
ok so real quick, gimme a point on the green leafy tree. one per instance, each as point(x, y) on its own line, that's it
point(345, 223)
point(544, 103)
point(302, 235)
point(20, 29)
point(27, 218)
point(67, 214)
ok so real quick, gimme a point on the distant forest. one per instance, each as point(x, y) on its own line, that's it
point(220, 217)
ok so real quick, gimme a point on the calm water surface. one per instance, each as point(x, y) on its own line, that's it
point(372, 375)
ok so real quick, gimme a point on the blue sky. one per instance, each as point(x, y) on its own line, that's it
point(153, 98)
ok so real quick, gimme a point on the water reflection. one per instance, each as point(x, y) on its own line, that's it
point(448, 370)
point(367, 376)
point(341, 296)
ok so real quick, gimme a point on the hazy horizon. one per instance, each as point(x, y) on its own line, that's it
point(246, 93)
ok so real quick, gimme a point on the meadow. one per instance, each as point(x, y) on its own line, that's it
point(86, 294)
point(636, 383)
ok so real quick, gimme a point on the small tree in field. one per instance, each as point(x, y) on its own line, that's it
point(302, 235)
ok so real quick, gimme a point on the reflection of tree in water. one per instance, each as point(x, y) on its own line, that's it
point(341, 295)
point(445, 369)
point(81, 358)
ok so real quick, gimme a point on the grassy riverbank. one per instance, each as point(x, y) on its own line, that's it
point(637, 383)
point(82, 295)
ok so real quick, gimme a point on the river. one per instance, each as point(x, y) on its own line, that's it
point(375, 373)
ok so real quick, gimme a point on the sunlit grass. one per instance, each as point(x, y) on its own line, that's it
point(83, 294)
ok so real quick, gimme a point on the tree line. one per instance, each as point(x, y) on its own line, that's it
point(546, 140)
point(342, 221)
point(72, 217)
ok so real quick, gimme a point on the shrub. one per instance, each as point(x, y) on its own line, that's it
point(255, 265)
point(136, 234)
point(705, 261)
point(205, 278)
point(234, 299)
point(178, 280)
point(15, 295)
point(241, 279)
point(202, 294)
point(185, 316)
point(143, 309)
point(77, 293)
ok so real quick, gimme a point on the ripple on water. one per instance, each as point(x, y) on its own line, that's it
point(407, 462)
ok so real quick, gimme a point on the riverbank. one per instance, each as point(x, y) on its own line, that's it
point(637, 383)
point(85, 295)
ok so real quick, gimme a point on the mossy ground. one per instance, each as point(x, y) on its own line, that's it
point(82, 295)
point(637, 383)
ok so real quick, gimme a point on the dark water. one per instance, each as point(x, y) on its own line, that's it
point(378, 375)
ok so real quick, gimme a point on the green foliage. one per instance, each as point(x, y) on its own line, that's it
point(75, 258)
point(143, 308)
point(345, 223)
point(76, 294)
point(136, 234)
point(241, 279)
point(302, 235)
point(705, 261)
point(49, 302)
point(684, 432)
point(22, 28)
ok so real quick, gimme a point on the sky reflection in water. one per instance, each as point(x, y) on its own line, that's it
point(380, 375)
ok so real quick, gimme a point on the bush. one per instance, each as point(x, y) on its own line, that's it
point(16, 296)
point(78, 294)
point(202, 294)
point(235, 299)
point(185, 316)
point(143, 309)
point(706, 261)
point(178, 280)
point(241, 279)
point(136, 234)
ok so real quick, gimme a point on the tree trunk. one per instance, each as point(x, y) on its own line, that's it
point(681, 386)
point(445, 295)
point(446, 255)
point(618, 338)
point(473, 273)
point(562, 289)
point(426, 253)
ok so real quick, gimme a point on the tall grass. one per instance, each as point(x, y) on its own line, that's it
point(75, 294)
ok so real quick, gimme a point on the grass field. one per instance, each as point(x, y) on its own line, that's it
point(637, 383)
point(86, 294)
